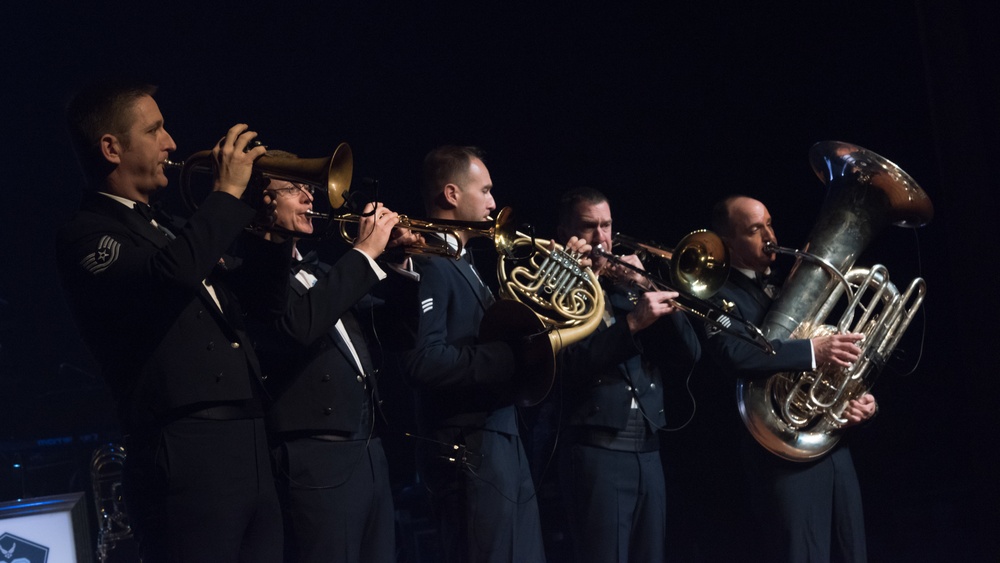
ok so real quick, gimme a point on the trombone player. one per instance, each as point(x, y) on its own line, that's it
point(611, 474)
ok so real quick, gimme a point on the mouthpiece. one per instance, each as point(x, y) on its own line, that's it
point(316, 214)
point(770, 247)
point(167, 163)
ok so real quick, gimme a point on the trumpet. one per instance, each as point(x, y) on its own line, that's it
point(332, 175)
point(501, 228)
point(699, 266)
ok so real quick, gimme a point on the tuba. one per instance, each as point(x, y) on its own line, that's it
point(106, 465)
point(798, 416)
point(547, 302)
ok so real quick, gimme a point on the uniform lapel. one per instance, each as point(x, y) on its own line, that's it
point(476, 284)
point(752, 289)
point(358, 340)
point(129, 217)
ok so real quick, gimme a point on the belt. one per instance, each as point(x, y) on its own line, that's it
point(615, 440)
point(223, 412)
point(333, 437)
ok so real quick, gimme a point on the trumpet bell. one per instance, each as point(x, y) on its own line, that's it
point(331, 174)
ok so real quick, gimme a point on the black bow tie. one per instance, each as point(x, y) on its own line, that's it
point(308, 262)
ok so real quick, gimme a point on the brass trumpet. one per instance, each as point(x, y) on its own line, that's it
point(699, 267)
point(331, 174)
point(500, 228)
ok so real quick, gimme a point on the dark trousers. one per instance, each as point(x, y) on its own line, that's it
point(202, 490)
point(616, 504)
point(337, 501)
point(485, 507)
point(807, 512)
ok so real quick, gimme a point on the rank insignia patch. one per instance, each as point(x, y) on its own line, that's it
point(104, 256)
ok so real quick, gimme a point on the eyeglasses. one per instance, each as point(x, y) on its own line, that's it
point(294, 190)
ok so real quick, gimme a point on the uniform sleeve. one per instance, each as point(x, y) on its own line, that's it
point(446, 352)
point(745, 360)
point(311, 314)
point(109, 252)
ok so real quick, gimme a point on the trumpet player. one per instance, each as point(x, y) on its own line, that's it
point(331, 470)
point(611, 473)
point(806, 511)
point(163, 313)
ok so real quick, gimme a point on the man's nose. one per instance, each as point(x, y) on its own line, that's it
point(171, 146)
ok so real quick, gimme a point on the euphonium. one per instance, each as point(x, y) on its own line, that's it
point(548, 301)
point(797, 416)
point(106, 481)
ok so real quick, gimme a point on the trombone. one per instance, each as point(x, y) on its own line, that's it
point(699, 267)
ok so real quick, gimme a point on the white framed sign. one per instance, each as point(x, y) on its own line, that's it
point(49, 529)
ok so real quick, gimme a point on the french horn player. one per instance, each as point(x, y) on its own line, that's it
point(466, 382)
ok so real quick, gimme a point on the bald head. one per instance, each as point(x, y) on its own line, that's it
point(745, 225)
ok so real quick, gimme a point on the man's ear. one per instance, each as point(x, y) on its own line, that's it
point(451, 194)
point(111, 148)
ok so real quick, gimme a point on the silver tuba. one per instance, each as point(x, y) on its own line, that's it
point(797, 416)
point(106, 466)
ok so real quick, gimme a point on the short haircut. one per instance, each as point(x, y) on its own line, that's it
point(575, 196)
point(445, 165)
point(721, 223)
point(102, 108)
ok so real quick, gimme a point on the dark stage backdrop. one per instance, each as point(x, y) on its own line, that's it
point(666, 107)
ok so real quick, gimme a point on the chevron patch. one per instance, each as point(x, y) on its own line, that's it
point(105, 255)
point(427, 304)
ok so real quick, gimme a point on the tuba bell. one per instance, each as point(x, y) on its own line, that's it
point(798, 416)
point(547, 302)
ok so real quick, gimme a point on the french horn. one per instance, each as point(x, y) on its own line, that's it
point(547, 302)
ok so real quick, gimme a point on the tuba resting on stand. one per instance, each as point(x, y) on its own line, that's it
point(797, 416)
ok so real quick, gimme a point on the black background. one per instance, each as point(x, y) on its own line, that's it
point(664, 107)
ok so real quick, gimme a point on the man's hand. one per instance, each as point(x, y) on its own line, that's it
point(233, 163)
point(860, 410)
point(404, 238)
point(374, 229)
point(651, 306)
point(626, 276)
point(266, 217)
point(578, 246)
point(837, 349)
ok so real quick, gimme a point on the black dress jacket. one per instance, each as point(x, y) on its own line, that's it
point(316, 384)
point(165, 347)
